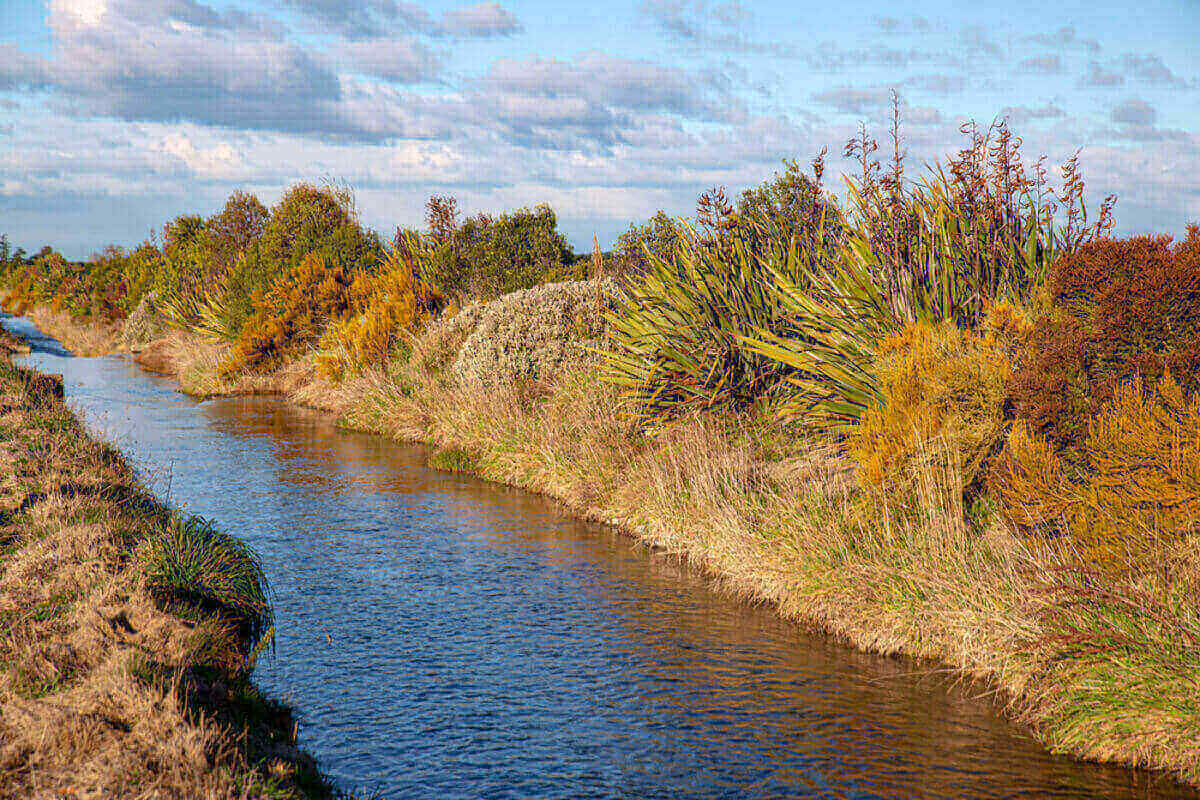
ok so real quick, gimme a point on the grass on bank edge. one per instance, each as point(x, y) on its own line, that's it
point(124, 672)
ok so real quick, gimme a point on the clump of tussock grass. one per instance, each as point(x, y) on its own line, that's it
point(192, 562)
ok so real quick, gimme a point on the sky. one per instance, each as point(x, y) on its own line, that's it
point(117, 115)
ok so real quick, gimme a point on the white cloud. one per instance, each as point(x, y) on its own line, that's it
point(219, 160)
point(84, 12)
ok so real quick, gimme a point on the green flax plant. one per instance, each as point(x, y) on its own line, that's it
point(943, 249)
point(677, 339)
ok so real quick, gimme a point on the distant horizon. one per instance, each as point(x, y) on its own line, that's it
point(119, 115)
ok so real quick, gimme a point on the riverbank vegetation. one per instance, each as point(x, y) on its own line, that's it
point(946, 415)
point(128, 632)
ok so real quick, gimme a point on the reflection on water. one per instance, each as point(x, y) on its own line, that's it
point(440, 636)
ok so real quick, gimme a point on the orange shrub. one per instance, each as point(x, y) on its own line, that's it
point(385, 306)
point(293, 312)
point(1135, 489)
point(938, 382)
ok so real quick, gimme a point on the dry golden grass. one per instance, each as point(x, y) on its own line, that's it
point(102, 693)
point(83, 338)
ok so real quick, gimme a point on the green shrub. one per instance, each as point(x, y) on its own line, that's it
point(233, 230)
point(657, 238)
point(485, 256)
point(310, 219)
point(191, 562)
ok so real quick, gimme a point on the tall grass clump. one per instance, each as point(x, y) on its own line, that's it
point(189, 561)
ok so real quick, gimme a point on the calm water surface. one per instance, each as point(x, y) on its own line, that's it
point(444, 637)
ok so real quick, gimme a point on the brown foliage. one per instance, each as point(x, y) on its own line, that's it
point(1119, 310)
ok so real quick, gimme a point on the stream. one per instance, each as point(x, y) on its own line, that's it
point(441, 636)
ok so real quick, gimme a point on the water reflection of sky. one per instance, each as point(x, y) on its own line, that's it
point(443, 636)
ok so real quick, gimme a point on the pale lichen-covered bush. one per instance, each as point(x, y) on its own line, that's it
point(144, 324)
point(529, 336)
point(436, 348)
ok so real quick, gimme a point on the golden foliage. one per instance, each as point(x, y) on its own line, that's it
point(295, 310)
point(1136, 490)
point(938, 383)
point(385, 306)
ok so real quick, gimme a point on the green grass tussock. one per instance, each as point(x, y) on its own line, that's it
point(190, 561)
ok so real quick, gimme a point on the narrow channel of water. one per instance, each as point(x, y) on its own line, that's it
point(444, 637)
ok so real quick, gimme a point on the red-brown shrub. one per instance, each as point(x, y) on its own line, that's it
point(1119, 310)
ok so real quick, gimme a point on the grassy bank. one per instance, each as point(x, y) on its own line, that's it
point(1104, 669)
point(1097, 666)
point(128, 632)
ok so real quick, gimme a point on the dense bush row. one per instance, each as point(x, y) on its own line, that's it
point(974, 310)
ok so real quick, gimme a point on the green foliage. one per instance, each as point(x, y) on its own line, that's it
point(189, 561)
point(1118, 311)
point(657, 238)
point(485, 256)
point(310, 219)
point(183, 231)
point(236, 228)
point(678, 335)
point(944, 249)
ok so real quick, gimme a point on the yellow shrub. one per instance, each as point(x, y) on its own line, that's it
point(1136, 489)
point(938, 382)
point(385, 306)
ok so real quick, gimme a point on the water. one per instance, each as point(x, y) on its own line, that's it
point(444, 637)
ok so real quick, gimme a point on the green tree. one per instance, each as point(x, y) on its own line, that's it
point(235, 228)
point(659, 235)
